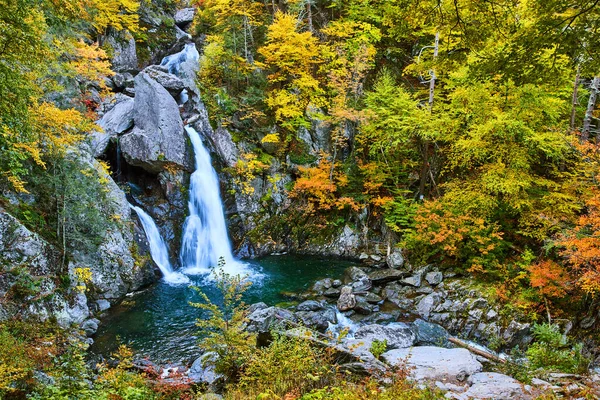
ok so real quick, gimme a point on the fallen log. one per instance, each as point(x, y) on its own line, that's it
point(479, 352)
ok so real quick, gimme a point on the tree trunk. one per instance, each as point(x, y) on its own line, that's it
point(574, 102)
point(309, 16)
point(587, 120)
point(425, 170)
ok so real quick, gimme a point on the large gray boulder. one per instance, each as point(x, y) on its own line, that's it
point(492, 385)
point(115, 122)
point(158, 138)
point(398, 335)
point(430, 334)
point(435, 363)
point(161, 74)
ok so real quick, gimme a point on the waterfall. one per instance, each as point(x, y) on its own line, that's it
point(205, 237)
point(158, 248)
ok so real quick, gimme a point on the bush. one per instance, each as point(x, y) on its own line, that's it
point(378, 347)
point(223, 331)
point(286, 365)
point(552, 352)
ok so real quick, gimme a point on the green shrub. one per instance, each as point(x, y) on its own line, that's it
point(286, 365)
point(551, 351)
point(223, 331)
point(378, 347)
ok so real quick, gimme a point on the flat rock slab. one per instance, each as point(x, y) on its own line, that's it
point(492, 385)
point(397, 335)
point(435, 363)
point(386, 275)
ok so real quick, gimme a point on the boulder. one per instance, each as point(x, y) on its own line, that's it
point(517, 333)
point(364, 307)
point(309, 305)
point(185, 16)
point(492, 385)
point(414, 280)
point(203, 370)
point(434, 278)
point(263, 320)
point(427, 304)
point(430, 334)
point(115, 122)
point(435, 363)
point(90, 326)
point(395, 259)
point(382, 276)
point(347, 300)
point(161, 74)
point(358, 279)
point(318, 320)
point(398, 335)
point(124, 55)
point(158, 139)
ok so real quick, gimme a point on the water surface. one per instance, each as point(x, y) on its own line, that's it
point(159, 322)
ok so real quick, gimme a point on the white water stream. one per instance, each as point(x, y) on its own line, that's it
point(158, 248)
point(205, 239)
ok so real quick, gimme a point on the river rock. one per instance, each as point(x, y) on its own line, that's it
point(414, 280)
point(115, 122)
point(347, 301)
point(309, 305)
point(263, 320)
point(427, 304)
point(430, 334)
point(158, 139)
point(492, 385)
point(358, 279)
point(398, 335)
point(203, 370)
point(395, 259)
point(318, 320)
point(322, 285)
point(372, 298)
point(381, 317)
point(386, 275)
point(363, 307)
point(434, 363)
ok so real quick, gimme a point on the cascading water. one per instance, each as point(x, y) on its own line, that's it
point(343, 324)
point(158, 248)
point(205, 238)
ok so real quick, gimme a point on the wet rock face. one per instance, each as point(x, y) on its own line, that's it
point(124, 51)
point(158, 138)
